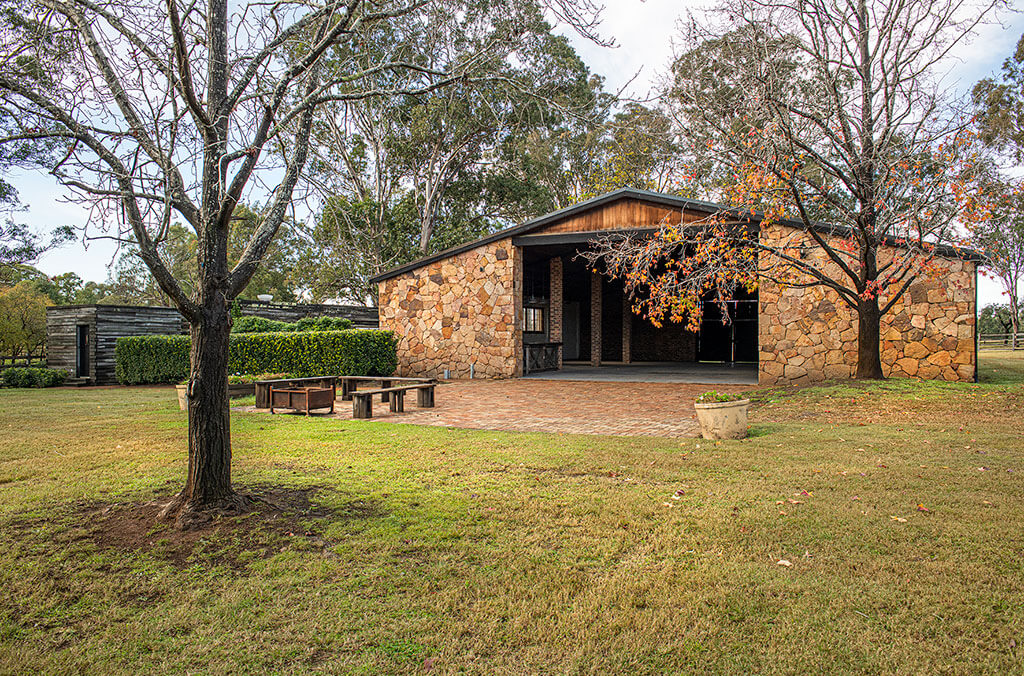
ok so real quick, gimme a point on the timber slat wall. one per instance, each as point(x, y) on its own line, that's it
point(61, 336)
point(107, 323)
point(114, 321)
point(361, 317)
point(627, 213)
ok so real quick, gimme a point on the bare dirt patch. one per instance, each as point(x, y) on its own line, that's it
point(282, 518)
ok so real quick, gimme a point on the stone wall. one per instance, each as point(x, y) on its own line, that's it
point(809, 335)
point(456, 312)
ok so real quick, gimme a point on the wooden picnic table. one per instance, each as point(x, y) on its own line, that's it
point(305, 394)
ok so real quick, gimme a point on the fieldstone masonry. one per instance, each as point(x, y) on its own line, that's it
point(467, 310)
point(809, 335)
point(456, 312)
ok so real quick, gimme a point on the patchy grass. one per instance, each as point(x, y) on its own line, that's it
point(1004, 367)
point(394, 548)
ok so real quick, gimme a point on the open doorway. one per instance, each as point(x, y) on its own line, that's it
point(82, 351)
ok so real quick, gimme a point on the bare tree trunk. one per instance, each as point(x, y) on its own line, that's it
point(208, 485)
point(1014, 320)
point(869, 360)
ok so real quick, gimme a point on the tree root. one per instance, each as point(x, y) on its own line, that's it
point(190, 513)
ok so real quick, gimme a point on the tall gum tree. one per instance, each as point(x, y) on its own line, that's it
point(159, 112)
point(829, 116)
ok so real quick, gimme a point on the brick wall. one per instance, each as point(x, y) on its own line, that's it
point(809, 335)
point(595, 318)
point(456, 312)
point(671, 342)
point(555, 305)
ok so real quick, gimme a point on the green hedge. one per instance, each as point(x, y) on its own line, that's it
point(29, 376)
point(250, 324)
point(357, 352)
point(151, 359)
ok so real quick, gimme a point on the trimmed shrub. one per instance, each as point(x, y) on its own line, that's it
point(29, 376)
point(151, 359)
point(323, 324)
point(250, 324)
point(356, 352)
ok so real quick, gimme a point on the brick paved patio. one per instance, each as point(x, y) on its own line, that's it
point(618, 409)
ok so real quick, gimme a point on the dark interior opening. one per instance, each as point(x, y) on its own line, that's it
point(82, 351)
point(735, 341)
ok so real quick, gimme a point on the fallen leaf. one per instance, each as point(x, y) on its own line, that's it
point(784, 562)
point(898, 518)
point(922, 508)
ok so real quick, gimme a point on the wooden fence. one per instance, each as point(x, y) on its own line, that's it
point(22, 360)
point(1001, 341)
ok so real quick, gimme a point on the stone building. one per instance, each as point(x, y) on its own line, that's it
point(520, 300)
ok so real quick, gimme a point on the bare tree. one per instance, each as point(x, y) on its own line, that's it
point(825, 117)
point(174, 110)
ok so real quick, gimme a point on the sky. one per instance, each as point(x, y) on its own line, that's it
point(642, 32)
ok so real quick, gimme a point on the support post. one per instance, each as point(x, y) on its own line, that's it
point(555, 306)
point(362, 406)
point(627, 330)
point(425, 397)
point(595, 319)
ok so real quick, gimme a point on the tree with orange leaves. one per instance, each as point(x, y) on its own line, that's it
point(840, 160)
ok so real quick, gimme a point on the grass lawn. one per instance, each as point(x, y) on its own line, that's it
point(407, 549)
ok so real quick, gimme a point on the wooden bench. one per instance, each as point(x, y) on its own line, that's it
point(362, 400)
point(350, 384)
point(303, 399)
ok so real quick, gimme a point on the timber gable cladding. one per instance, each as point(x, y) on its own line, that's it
point(463, 307)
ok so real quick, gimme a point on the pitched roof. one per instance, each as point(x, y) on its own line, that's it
point(663, 199)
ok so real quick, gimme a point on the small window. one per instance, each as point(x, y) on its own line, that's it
point(534, 320)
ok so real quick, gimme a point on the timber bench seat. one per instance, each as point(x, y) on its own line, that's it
point(350, 384)
point(362, 400)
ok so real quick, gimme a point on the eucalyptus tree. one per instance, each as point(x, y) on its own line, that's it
point(162, 112)
point(453, 162)
point(999, 114)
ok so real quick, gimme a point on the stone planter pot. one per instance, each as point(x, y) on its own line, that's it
point(723, 420)
point(234, 391)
